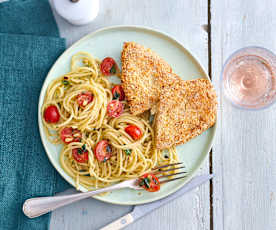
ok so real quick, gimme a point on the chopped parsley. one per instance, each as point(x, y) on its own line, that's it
point(151, 119)
point(145, 182)
point(65, 82)
point(155, 182)
point(116, 95)
point(113, 69)
point(108, 149)
point(80, 151)
point(128, 151)
point(142, 183)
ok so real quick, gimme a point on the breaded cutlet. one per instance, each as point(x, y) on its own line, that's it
point(186, 109)
point(143, 73)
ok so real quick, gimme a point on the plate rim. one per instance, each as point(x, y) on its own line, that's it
point(133, 27)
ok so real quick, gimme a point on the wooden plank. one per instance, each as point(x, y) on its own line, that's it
point(244, 154)
point(184, 20)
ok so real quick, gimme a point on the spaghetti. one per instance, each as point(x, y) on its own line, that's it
point(81, 98)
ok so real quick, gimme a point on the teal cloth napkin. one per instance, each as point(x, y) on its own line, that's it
point(27, 17)
point(25, 59)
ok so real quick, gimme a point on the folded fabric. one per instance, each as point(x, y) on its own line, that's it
point(24, 167)
point(25, 170)
point(27, 17)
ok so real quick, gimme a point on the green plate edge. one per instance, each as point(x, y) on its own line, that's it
point(141, 29)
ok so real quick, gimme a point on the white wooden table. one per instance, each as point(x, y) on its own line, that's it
point(243, 193)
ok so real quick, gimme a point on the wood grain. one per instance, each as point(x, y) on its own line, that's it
point(244, 153)
point(184, 20)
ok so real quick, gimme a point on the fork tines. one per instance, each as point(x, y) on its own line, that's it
point(159, 171)
point(165, 166)
point(169, 180)
point(167, 170)
point(173, 174)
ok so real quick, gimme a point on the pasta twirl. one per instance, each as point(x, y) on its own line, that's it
point(130, 158)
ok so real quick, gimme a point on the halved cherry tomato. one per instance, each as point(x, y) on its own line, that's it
point(80, 155)
point(114, 108)
point(68, 135)
point(149, 182)
point(84, 98)
point(134, 131)
point(103, 151)
point(118, 92)
point(108, 66)
point(51, 114)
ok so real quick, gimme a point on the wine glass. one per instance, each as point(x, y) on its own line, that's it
point(249, 78)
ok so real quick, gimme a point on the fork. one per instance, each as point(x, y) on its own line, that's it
point(38, 206)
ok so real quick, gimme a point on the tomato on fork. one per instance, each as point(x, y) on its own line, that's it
point(118, 92)
point(114, 108)
point(134, 131)
point(149, 182)
point(69, 135)
point(103, 151)
point(84, 98)
point(108, 66)
point(51, 114)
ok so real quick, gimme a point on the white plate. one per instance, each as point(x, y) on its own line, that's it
point(109, 42)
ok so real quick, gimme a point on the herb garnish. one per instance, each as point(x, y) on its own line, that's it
point(151, 119)
point(80, 151)
point(141, 183)
point(116, 95)
point(65, 82)
point(113, 69)
point(128, 151)
point(155, 182)
point(108, 149)
point(147, 182)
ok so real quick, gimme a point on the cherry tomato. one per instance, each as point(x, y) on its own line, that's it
point(149, 182)
point(80, 155)
point(103, 151)
point(84, 98)
point(51, 114)
point(108, 66)
point(68, 135)
point(114, 108)
point(118, 92)
point(134, 131)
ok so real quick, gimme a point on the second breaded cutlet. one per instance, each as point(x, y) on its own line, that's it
point(186, 109)
point(143, 73)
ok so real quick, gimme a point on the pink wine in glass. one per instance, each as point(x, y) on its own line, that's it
point(249, 78)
